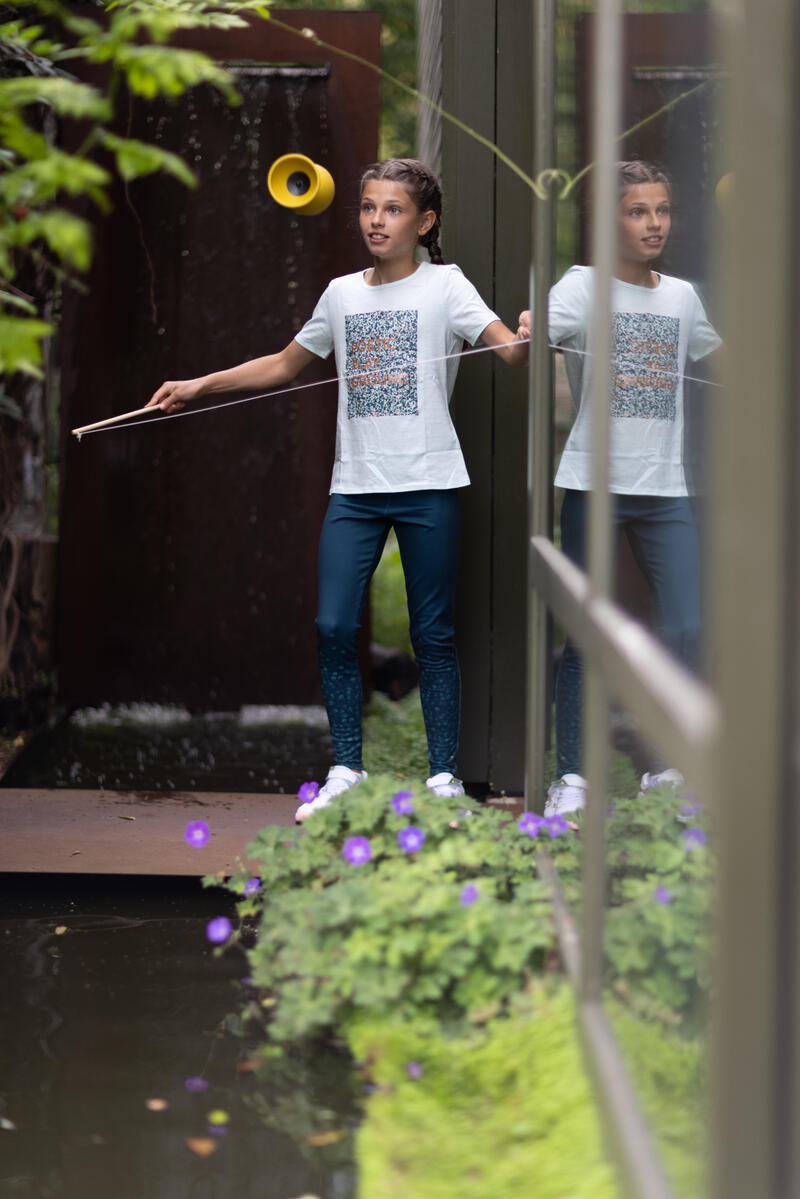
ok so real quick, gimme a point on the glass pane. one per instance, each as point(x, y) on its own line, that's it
point(663, 399)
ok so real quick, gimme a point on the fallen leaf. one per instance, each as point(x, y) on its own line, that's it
point(325, 1138)
point(156, 1105)
point(202, 1146)
point(75, 853)
point(251, 1063)
point(60, 929)
point(126, 818)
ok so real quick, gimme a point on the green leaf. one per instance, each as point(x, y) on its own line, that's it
point(21, 344)
point(135, 158)
point(16, 301)
point(19, 138)
point(64, 96)
point(39, 181)
point(162, 70)
point(67, 235)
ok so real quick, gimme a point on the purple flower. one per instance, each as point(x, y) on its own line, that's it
point(662, 895)
point(530, 824)
point(693, 837)
point(247, 981)
point(196, 1084)
point(410, 839)
point(401, 802)
point(414, 1070)
point(469, 894)
point(219, 929)
point(252, 885)
point(357, 850)
point(556, 825)
point(197, 833)
point(610, 810)
point(307, 791)
point(694, 804)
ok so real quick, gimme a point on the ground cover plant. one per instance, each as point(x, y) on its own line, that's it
point(422, 937)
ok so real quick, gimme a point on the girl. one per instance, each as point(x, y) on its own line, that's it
point(657, 322)
point(394, 329)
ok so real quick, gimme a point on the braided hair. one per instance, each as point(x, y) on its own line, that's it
point(634, 172)
point(423, 188)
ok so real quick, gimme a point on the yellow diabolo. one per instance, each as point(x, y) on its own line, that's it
point(298, 183)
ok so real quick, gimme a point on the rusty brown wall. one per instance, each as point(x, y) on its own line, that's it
point(188, 550)
point(664, 56)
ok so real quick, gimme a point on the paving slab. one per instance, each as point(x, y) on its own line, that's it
point(130, 832)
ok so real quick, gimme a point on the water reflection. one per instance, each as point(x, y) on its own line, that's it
point(111, 1000)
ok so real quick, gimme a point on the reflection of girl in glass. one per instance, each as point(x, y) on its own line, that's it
point(657, 323)
point(396, 330)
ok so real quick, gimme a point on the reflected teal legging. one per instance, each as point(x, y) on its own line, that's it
point(663, 536)
point(428, 529)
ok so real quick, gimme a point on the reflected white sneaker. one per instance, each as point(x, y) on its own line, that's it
point(339, 780)
point(445, 785)
point(670, 778)
point(567, 794)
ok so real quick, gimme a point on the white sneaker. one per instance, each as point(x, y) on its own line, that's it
point(670, 778)
point(567, 794)
point(339, 780)
point(445, 785)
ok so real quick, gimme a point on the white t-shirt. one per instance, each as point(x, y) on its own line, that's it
point(655, 330)
point(394, 431)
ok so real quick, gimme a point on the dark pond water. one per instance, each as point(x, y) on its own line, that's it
point(144, 747)
point(110, 1000)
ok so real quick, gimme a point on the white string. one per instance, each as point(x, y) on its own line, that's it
point(359, 375)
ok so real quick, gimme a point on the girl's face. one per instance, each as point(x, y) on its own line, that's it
point(644, 222)
point(391, 224)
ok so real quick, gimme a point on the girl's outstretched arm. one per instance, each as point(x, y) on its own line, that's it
point(508, 346)
point(257, 375)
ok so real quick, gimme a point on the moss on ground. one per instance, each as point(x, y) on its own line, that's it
point(507, 1113)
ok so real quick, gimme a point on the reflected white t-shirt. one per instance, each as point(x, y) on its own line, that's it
point(655, 330)
point(392, 342)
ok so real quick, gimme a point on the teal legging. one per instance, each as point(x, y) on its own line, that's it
point(663, 536)
point(428, 527)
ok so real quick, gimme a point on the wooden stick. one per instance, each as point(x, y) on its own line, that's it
point(112, 420)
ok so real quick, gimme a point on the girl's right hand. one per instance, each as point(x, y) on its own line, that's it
point(173, 396)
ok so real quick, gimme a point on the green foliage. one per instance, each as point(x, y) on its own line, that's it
point(337, 940)
point(387, 955)
point(507, 1112)
point(394, 737)
point(21, 343)
point(35, 174)
point(670, 1075)
point(658, 952)
point(135, 158)
point(388, 605)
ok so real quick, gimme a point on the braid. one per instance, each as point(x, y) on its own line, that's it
point(430, 241)
point(635, 172)
point(423, 188)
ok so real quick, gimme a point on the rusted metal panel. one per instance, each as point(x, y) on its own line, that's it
point(188, 550)
point(664, 55)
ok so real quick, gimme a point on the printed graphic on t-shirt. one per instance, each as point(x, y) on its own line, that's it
point(645, 365)
point(381, 358)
